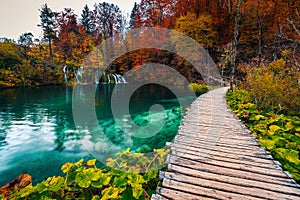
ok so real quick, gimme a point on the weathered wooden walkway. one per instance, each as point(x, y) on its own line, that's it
point(215, 157)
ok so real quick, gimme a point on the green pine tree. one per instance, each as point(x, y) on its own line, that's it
point(132, 16)
point(86, 20)
point(48, 25)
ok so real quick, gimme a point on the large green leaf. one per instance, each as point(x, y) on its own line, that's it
point(273, 129)
point(110, 193)
point(67, 167)
point(137, 190)
point(104, 180)
point(110, 162)
point(91, 162)
point(85, 177)
point(79, 163)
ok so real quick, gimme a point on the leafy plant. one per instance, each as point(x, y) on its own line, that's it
point(274, 86)
point(278, 133)
point(198, 88)
point(127, 176)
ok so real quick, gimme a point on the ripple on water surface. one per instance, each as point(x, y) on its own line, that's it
point(38, 135)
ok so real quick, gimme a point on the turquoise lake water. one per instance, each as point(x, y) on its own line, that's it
point(38, 133)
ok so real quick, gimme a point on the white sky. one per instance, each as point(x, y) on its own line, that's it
point(21, 16)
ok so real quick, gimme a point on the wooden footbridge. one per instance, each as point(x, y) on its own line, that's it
point(215, 157)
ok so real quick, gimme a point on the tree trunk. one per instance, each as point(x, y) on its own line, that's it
point(260, 26)
point(235, 44)
point(50, 50)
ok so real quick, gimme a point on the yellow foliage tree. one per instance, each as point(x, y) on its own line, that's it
point(275, 86)
point(200, 29)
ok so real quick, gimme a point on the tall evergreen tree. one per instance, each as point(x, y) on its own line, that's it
point(47, 24)
point(132, 16)
point(86, 20)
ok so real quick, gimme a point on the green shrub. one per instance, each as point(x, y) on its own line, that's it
point(8, 78)
point(278, 133)
point(198, 88)
point(274, 87)
point(128, 176)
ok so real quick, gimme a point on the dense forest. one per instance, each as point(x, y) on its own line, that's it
point(246, 38)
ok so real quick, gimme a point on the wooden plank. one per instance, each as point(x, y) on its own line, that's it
point(227, 171)
point(193, 156)
point(231, 155)
point(203, 191)
point(178, 195)
point(201, 175)
point(201, 132)
point(223, 126)
point(221, 149)
point(216, 145)
point(230, 188)
point(158, 197)
point(240, 167)
point(222, 140)
point(216, 142)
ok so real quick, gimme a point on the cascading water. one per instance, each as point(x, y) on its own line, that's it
point(108, 78)
point(75, 75)
point(116, 79)
point(65, 70)
point(97, 76)
point(79, 72)
point(121, 79)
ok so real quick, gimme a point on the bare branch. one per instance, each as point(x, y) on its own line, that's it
point(294, 57)
point(291, 21)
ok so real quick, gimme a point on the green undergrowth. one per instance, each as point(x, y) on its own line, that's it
point(198, 88)
point(278, 133)
point(127, 176)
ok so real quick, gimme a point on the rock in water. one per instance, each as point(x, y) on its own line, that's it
point(19, 183)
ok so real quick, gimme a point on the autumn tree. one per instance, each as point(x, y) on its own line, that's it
point(258, 16)
point(287, 20)
point(13, 65)
point(155, 13)
point(48, 25)
point(220, 10)
point(237, 20)
point(67, 37)
point(9, 55)
point(183, 7)
point(199, 29)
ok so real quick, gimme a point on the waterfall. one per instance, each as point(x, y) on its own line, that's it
point(75, 75)
point(116, 79)
point(106, 77)
point(65, 70)
point(121, 79)
point(79, 72)
point(97, 76)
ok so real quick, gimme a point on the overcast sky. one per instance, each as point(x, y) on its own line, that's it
point(20, 16)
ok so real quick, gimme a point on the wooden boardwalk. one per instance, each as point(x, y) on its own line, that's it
point(215, 157)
